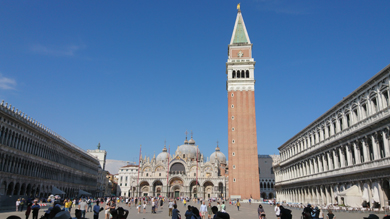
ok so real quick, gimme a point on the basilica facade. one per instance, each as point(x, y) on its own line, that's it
point(186, 173)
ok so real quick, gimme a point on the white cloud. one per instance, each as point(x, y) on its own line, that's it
point(7, 83)
point(69, 50)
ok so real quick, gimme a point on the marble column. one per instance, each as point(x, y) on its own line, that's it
point(330, 164)
point(325, 164)
point(349, 154)
point(385, 137)
point(356, 151)
point(375, 146)
point(342, 157)
point(335, 159)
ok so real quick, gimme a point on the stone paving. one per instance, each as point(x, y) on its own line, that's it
point(246, 211)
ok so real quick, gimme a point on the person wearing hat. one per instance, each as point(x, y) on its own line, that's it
point(35, 209)
point(372, 216)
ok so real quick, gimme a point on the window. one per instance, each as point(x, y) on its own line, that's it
point(233, 129)
point(234, 154)
point(232, 94)
point(120, 184)
point(247, 74)
point(234, 166)
point(184, 156)
point(233, 141)
point(232, 117)
point(242, 74)
point(348, 121)
point(232, 106)
point(127, 170)
point(341, 124)
point(159, 174)
point(238, 74)
point(126, 178)
point(194, 174)
point(147, 174)
point(125, 184)
point(234, 74)
point(234, 180)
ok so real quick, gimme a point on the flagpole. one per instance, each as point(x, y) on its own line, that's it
point(169, 155)
point(197, 172)
point(139, 165)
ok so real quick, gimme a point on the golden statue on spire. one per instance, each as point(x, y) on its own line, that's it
point(238, 6)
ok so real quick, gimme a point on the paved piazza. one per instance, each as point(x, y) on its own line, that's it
point(246, 211)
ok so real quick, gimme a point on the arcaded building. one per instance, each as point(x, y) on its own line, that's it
point(343, 156)
point(34, 159)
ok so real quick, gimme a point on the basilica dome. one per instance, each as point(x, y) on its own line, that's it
point(218, 155)
point(188, 149)
point(163, 155)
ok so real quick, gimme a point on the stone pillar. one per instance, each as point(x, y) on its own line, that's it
point(357, 152)
point(320, 167)
point(335, 159)
point(349, 154)
point(329, 156)
point(375, 146)
point(325, 164)
point(385, 136)
point(365, 149)
point(341, 154)
point(380, 190)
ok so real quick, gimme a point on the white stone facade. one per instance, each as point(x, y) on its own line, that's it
point(175, 175)
point(33, 159)
point(347, 147)
point(127, 180)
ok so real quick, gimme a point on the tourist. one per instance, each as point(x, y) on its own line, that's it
point(17, 204)
point(195, 213)
point(35, 209)
point(107, 211)
point(306, 214)
point(175, 212)
point(209, 211)
point(223, 207)
point(203, 210)
point(28, 211)
point(21, 205)
point(277, 211)
point(170, 207)
point(218, 214)
point(219, 206)
point(96, 210)
point(139, 206)
point(188, 213)
point(83, 207)
point(321, 213)
point(285, 213)
point(70, 205)
point(78, 214)
point(89, 203)
point(261, 212)
point(122, 214)
point(161, 203)
point(372, 216)
point(330, 215)
point(250, 201)
point(184, 202)
point(238, 204)
point(144, 207)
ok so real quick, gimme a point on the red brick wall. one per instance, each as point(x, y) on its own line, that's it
point(245, 146)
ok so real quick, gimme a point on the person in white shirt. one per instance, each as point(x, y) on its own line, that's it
point(170, 207)
point(277, 211)
point(203, 210)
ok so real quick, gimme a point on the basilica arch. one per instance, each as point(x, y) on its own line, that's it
point(176, 187)
point(157, 188)
point(144, 188)
point(208, 189)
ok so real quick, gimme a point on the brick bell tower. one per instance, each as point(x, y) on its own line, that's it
point(243, 156)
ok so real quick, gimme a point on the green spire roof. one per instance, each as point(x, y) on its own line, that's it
point(239, 35)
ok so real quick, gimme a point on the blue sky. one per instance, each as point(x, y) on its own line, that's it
point(126, 73)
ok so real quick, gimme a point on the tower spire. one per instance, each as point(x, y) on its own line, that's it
point(240, 34)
